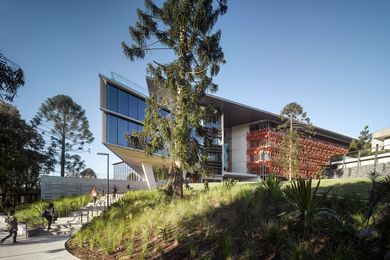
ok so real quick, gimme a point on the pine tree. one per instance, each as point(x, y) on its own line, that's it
point(186, 28)
point(365, 138)
point(295, 124)
point(64, 122)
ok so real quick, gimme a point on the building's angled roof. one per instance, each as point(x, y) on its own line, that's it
point(238, 114)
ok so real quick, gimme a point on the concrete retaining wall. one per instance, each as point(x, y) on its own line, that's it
point(362, 171)
point(54, 186)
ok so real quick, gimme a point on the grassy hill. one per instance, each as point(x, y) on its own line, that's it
point(248, 221)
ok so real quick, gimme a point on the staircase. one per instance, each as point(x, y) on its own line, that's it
point(75, 220)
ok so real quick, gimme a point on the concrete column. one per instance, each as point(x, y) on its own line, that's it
point(359, 163)
point(376, 156)
point(149, 176)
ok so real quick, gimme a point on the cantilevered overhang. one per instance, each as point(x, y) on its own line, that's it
point(382, 134)
point(135, 158)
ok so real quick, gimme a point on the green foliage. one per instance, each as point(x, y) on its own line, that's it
point(65, 122)
point(88, 173)
point(22, 154)
point(185, 28)
point(364, 139)
point(226, 246)
point(229, 183)
point(379, 192)
point(272, 232)
point(270, 188)
point(222, 224)
point(353, 147)
point(31, 213)
point(301, 195)
point(297, 250)
point(11, 79)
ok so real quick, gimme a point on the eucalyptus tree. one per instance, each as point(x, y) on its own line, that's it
point(184, 27)
point(11, 78)
point(66, 126)
point(295, 124)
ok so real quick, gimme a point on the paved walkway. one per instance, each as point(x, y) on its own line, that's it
point(37, 247)
point(34, 248)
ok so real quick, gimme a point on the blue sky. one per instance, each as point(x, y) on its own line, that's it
point(332, 57)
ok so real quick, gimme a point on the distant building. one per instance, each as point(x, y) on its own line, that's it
point(246, 143)
point(122, 171)
point(381, 138)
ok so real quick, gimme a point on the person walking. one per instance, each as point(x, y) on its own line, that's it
point(114, 191)
point(94, 195)
point(12, 226)
point(48, 214)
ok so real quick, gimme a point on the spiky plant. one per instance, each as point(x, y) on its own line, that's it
point(302, 196)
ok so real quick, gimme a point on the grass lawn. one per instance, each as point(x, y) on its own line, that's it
point(340, 187)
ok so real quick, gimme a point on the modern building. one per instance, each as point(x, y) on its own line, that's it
point(122, 171)
point(381, 139)
point(246, 143)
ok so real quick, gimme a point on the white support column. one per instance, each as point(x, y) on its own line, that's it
point(149, 176)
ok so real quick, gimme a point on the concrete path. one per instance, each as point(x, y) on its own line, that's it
point(42, 247)
point(34, 248)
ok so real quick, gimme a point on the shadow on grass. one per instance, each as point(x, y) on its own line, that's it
point(226, 231)
point(360, 188)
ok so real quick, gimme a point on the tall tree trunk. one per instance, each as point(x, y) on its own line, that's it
point(290, 152)
point(62, 155)
point(176, 180)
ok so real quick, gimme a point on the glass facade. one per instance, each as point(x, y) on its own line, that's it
point(127, 105)
point(126, 112)
point(122, 171)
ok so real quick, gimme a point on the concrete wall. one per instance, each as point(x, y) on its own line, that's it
point(353, 168)
point(363, 171)
point(54, 186)
point(239, 148)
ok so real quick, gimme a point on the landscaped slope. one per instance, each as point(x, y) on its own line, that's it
point(230, 221)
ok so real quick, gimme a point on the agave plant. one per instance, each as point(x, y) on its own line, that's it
point(379, 192)
point(301, 195)
point(270, 188)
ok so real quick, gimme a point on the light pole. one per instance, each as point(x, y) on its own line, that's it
point(108, 176)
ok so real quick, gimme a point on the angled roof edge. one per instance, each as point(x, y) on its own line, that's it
point(268, 115)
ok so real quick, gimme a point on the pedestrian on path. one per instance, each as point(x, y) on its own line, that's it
point(114, 192)
point(48, 214)
point(94, 195)
point(12, 226)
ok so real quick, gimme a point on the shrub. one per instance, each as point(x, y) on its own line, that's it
point(270, 188)
point(301, 195)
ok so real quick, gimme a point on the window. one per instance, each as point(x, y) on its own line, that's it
point(133, 107)
point(123, 103)
point(141, 110)
point(122, 130)
point(112, 98)
point(112, 129)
